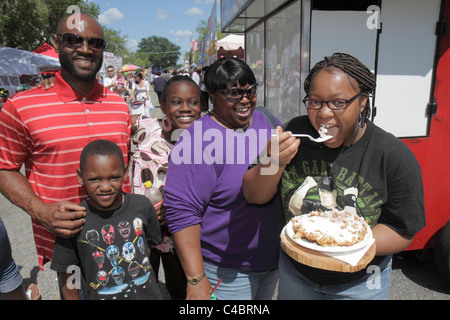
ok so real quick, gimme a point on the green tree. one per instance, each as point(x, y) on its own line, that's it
point(27, 24)
point(137, 58)
point(160, 51)
point(201, 30)
point(115, 42)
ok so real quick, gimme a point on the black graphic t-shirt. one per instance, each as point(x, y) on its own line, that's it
point(378, 177)
point(112, 251)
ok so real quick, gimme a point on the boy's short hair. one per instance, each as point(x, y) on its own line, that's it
point(101, 148)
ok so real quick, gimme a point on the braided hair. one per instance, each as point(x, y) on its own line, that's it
point(355, 69)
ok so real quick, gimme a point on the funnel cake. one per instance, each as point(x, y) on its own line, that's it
point(330, 228)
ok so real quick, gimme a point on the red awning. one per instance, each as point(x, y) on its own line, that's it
point(47, 50)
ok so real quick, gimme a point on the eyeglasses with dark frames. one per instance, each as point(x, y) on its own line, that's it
point(236, 94)
point(74, 41)
point(336, 104)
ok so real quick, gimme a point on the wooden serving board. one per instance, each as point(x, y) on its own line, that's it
point(320, 260)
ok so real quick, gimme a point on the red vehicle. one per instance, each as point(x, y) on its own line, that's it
point(432, 153)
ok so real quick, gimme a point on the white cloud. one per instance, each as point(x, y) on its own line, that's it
point(110, 16)
point(181, 33)
point(194, 11)
point(161, 14)
point(132, 44)
point(204, 1)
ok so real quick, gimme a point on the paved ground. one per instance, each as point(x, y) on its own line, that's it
point(411, 278)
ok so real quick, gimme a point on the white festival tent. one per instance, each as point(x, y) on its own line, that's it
point(15, 62)
point(232, 45)
point(231, 42)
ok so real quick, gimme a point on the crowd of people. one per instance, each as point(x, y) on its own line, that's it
point(218, 222)
point(135, 86)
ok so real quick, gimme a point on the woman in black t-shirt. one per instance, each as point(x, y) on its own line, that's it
point(360, 168)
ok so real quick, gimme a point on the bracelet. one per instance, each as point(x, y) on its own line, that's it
point(196, 280)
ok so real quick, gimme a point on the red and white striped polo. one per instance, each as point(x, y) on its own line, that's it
point(46, 130)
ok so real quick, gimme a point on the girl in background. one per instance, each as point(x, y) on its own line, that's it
point(181, 104)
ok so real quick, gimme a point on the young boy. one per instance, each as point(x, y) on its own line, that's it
point(110, 254)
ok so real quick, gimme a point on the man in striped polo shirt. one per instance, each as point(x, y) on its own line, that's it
point(45, 130)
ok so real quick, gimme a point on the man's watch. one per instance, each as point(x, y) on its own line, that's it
point(196, 280)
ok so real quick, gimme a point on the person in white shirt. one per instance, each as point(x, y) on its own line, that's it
point(141, 93)
point(110, 81)
point(196, 76)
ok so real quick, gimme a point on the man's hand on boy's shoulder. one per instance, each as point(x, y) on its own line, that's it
point(63, 219)
point(47, 83)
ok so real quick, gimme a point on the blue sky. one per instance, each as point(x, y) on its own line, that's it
point(175, 20)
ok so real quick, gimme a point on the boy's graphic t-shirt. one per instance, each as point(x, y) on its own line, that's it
point(112, 251)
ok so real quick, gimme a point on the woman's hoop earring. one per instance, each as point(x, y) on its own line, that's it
point(166, 124)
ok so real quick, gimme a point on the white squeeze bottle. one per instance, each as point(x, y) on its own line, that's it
point(152, 193)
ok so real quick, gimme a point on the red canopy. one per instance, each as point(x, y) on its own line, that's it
point(47, 50)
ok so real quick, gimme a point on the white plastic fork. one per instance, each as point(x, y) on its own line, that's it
point(320, 139)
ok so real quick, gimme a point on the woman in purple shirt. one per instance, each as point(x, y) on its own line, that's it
point(218, 235)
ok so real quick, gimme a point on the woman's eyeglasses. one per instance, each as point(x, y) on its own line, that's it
point(74, 41)
point(236, 94)
point(336, 104)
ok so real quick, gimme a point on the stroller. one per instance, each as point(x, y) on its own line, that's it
point(138, 107)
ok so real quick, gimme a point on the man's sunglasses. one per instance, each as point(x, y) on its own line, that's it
point(236, 94)
point(74, 41)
